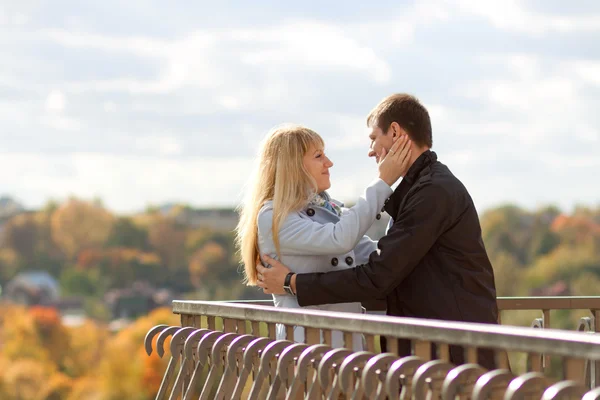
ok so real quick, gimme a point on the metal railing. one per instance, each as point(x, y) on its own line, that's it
point(230, 350)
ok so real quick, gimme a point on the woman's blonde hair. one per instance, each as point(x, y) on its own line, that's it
point(279, 175)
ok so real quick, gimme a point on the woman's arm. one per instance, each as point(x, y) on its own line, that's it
point(363, 250)
point(300, 236)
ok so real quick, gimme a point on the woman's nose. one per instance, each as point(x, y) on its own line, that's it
point(328, 163)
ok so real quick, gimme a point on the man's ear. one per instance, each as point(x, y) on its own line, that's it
point(397, 130)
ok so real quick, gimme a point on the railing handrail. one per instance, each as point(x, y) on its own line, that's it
point(513, 303)
point(549, 303)
point(550, 341)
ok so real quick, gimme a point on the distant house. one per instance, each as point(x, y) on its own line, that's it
point(137, 300)
point(560, 288)
point(32, 288)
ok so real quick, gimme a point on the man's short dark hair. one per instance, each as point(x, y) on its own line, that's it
point(408, 112)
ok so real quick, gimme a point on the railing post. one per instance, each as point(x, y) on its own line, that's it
point(546, 325)
point(595, 365)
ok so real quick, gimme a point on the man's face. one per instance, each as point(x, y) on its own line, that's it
point(379, 141)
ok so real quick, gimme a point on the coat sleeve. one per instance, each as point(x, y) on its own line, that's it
point(302, 236)
point(417, 227)
point(363, 249)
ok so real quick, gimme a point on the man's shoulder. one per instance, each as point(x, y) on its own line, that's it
point(439, 184)
point(442, 177)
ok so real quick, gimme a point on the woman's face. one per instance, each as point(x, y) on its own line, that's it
point(317, 164)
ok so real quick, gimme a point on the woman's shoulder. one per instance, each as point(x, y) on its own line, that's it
point(265, 217)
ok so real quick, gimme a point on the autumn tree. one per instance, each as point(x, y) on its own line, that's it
point(168, 240)
point(78, 225)
point(52, 334)
point(20, 234)
point(205, 262)
point(125, 233)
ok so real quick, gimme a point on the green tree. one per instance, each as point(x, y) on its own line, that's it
point(125, 233)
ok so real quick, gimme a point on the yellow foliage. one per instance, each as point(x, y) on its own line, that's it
point(125, 379)
point(77, 225)
point(86, 388)
point(58, 387)
point(20, 338)
point(25, 379)
point(563, 261)
point(203, 259)
point(169, 242)
point(87, 345)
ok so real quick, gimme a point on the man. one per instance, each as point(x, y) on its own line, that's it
point(432, 262)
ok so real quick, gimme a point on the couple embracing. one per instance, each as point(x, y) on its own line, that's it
point(313, 251)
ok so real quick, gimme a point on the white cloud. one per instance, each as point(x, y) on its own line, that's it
point(159, 145)
point(313, 45)
point(587, 70)
point(144, 180)
point(56, 101)
point(351, 133)
point(150, 91)
point(511, 15)
point(60, 122)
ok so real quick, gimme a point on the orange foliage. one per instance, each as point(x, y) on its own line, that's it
point(153, 372)
point(88, 258)
point(52, 333)
point(46, 318)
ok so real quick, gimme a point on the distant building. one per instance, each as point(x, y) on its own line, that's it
point(32, 288)
point(137, 300)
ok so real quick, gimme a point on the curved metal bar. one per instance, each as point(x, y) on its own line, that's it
point(234, 353)
point(586, 324)
point(372, 380)
point(401, 372)
point(286, 358)
point(155, 330)
point(353, 363)
point(205, 342)
point(538, 323)
point(529, 385)
point(490, 383)
point(252, 351)
point(319, 386)
point(264, 369)
point(162, 337)
point(189, 347)
point(216, 361)
point(310, 356)
point(564, 390)
point(593, 394)
point(430, 372)
point(460, 380)
point(176, 348)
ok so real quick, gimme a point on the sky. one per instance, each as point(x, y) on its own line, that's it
point(150, 102)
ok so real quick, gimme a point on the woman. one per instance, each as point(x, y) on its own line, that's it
point(289, 215)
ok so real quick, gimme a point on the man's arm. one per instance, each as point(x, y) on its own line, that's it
point(415, 230)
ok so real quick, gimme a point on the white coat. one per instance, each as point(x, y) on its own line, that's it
point(315, 239)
